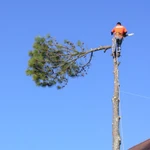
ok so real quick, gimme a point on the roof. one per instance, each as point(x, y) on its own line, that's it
point(142, 146)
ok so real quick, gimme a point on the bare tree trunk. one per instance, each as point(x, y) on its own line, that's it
point(115, 100)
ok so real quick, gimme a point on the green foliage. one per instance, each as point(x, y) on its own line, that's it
point(52, 63)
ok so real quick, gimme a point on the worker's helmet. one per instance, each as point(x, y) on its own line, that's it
point(119, 23)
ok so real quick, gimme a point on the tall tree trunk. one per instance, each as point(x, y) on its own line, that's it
point(115, 100)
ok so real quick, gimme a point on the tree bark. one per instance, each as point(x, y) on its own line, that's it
point(115, 101)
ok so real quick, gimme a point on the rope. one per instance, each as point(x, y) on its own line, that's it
point(133, 94)
point(121, 124)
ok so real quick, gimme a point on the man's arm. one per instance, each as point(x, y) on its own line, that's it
point(125, 32)
point(112, 31)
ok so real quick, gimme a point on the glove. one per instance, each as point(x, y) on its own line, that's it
point(125, 34)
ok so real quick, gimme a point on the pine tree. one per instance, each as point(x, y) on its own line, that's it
point(52, 63)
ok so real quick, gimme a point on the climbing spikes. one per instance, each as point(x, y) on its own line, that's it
point(115, 54)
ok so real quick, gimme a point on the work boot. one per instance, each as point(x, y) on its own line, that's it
point(119, 49)
point(113, 54)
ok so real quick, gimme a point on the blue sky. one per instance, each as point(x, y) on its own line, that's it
point(79, 116)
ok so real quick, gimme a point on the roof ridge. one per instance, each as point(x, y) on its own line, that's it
point(141, 144)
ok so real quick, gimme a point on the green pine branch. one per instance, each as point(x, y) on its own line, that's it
point(52, 63)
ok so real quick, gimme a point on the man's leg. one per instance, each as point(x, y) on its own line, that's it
point(119, 44)
point(119, 47)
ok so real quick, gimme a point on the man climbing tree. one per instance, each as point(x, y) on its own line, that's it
point(52, 63)
point(119, 33)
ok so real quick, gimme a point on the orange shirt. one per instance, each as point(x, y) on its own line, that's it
point(119, 30)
